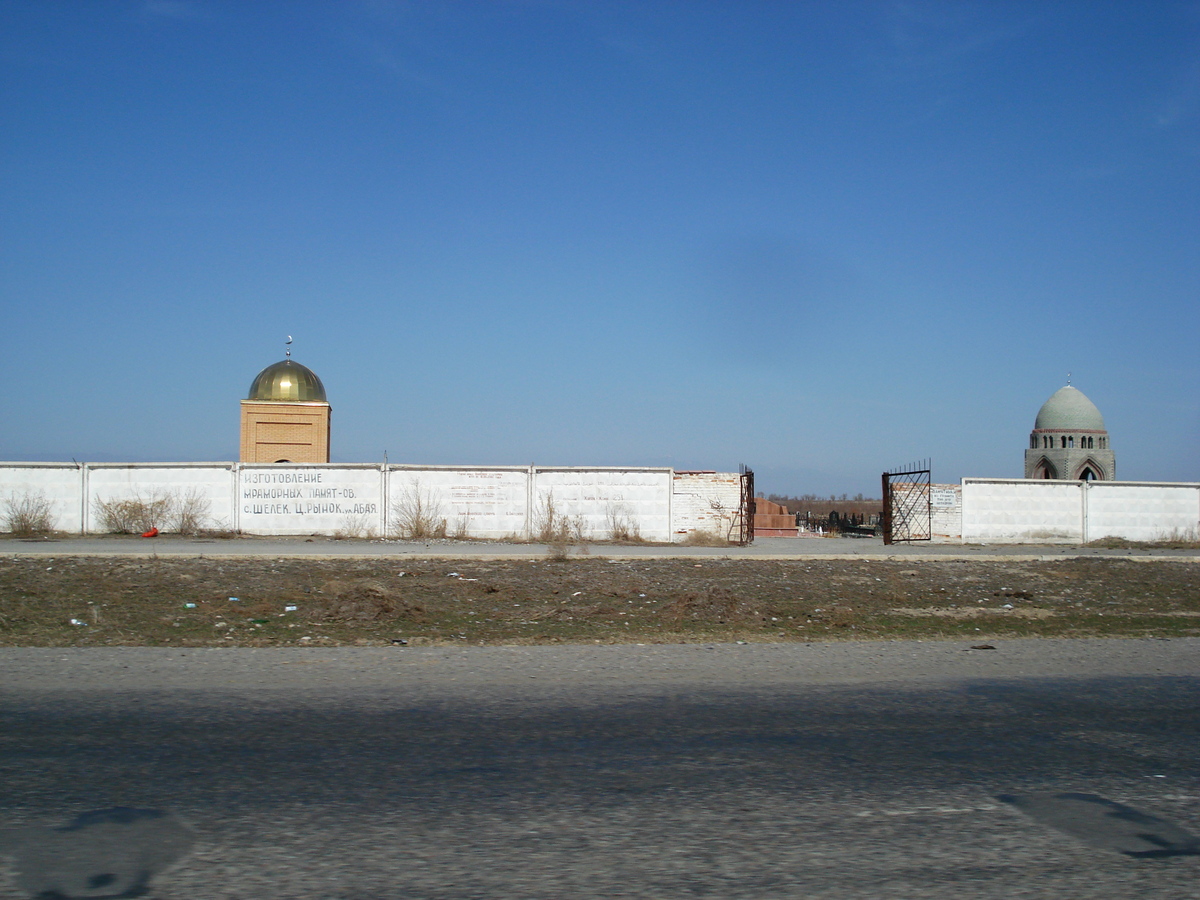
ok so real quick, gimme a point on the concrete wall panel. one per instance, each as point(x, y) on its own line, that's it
point(310, 499)
point(1142, 512)
point(60, 484)
point(1018, 511)
point(598, 498)
point(207, 487)
point(1075, 512)
point(488, 502)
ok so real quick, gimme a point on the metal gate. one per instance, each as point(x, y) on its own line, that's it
point(743, 525)
point(907, 513)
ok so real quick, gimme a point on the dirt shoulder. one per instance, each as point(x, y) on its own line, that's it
point(288, 601)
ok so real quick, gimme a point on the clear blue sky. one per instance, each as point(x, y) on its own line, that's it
point(818, 238)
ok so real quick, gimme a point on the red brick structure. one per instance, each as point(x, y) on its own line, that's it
point(773, 519)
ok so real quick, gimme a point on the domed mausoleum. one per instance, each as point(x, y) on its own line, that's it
point(285, 417)
point(1069, 441)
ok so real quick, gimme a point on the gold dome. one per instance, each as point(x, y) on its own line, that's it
point(288, 381)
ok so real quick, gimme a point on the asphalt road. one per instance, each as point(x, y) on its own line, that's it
point(865, 770)
point(761, 548)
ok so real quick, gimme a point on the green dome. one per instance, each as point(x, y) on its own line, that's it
point(1069, 410)
point(287, 381)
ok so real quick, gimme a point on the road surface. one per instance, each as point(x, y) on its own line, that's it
point(761, 548)
point(842, 770)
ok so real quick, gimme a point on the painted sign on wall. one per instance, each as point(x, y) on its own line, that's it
point(280, 499)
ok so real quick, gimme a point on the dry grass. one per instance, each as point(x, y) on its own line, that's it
point(560, 532)
point(369, 601)
point(28, 515)
point(1176, 540)
point(462, 528)
point(357, 526)
point(189, 513)
point(338, 601)
point(622, 526)
point(133, 515)
point(169, 511)
point(417, 515)
point(703, 538)
point(555, 527)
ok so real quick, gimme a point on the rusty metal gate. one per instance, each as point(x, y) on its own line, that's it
point(907, 513)
point(743, 525)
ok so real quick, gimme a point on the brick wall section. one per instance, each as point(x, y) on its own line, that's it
point(704, 501)
point(945, 510)
point(297, 432)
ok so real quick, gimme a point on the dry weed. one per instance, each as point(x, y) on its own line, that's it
point(29, 514)
point(703, 538)
point(417, 515)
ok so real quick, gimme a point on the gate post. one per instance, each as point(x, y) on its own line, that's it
point(746, 505)
point(887, 509)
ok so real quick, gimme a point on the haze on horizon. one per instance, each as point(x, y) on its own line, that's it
point(819, 239)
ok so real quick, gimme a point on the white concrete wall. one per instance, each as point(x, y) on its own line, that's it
point(1142, 512)
point(369, 500)
point(597, 498)
point(1021, 512)
point(60, 484)
point(208, 483)
point(501, 501)
point(484, 502)
point(1011, 511)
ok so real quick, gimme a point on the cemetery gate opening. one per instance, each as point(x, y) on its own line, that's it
point(907, 513)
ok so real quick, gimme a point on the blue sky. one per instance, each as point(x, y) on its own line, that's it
point(820, 239)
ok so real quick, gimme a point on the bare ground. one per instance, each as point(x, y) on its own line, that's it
point(85, 601)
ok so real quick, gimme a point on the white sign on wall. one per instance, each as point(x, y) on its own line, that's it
point(277, 499)
point(943, 498)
